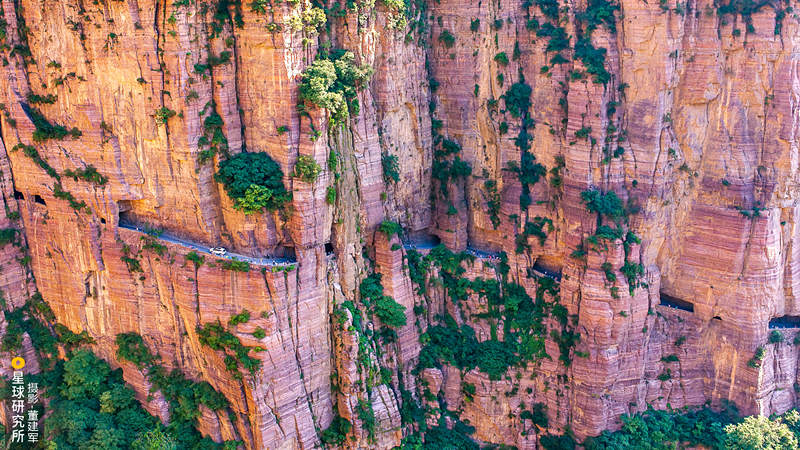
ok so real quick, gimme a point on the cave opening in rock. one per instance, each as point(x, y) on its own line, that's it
point(676, 303)
point(18, 195)
point(784, 322)
point(124, 215)
point(540, 270)
point(38, 199)
point(328, 248)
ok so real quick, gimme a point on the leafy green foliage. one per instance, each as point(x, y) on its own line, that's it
point(234, 265)
point(336, 433)
point(501, 59)
point(391, 168)
point(39, 99)
point(215, 336)
point(558, 38)
point(152, 244)
point(133, 264)
point(417, 269)
point(131, 347)
point(89, 173)
point(242, 317)
point(762, 433)
point(700, 427)
point(307, 169)
point(444, 171)
point(253, 181)
point(367, 417)
point(91, 406)
point(163, 114)
point(549, 8)
point(385, 307)
point(457, 437)
point(493, 202)
point(690, 426)
point(447, 38)
point(474, 25)
point(46, 130)
point(213, 61)
point(608, 204)
point(518, 99)
point(184, 396)
point(390, 228)
point(154, 440)
point(31, 152)
point(494, 358)
point(755, 361)
point(60, 193)
point(330, 195)
point(8, 236)
point(213, 140)
point(195, 258)
point(594, 59)
point(390, 312)
point(332, 82)
point(600, 12)
point(633, 272)
point(259, 333)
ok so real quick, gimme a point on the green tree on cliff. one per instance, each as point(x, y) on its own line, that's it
point(254, 181)
point(760, 433)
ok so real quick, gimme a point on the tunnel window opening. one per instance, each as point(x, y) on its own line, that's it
point(676, 303)
point(784, 322)
point(717, 318)
point(18, 195)
point(38, 199)
point(421, 240)
point(288, 252)
point(102, 220)
point(328, 248)
point(540, 271)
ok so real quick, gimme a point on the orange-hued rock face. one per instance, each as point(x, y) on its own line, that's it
point(695, 129)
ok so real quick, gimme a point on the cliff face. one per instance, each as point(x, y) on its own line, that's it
point(688, 114)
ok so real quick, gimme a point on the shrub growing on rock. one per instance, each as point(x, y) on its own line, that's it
point(253, 181)
point(307, 169)
point(332, 82)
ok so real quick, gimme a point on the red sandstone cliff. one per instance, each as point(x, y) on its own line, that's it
point(706, 115)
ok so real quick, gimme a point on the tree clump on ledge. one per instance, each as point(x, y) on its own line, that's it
point(332, 82)
point(253, 181)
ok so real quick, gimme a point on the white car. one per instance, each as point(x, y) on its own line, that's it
point(219, 251)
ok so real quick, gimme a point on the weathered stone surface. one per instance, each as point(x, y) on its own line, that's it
point(709, 119)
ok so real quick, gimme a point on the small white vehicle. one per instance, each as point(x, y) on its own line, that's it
point(219, 251)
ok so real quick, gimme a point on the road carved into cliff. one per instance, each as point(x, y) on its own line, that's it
point(207, 250)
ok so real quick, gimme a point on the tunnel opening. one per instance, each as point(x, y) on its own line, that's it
point(784, 322)
point(422, 240)
point(102, 220)
point(124, 213)
point(38, 199)
point(676, 303)
point(540, 270)
point(717, 318)
point(289, 253)
point(328, 248)
point(18, 195)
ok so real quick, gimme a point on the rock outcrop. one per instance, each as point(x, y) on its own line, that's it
point(689, 115)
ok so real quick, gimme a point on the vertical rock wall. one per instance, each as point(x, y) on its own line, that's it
point(705, 114)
